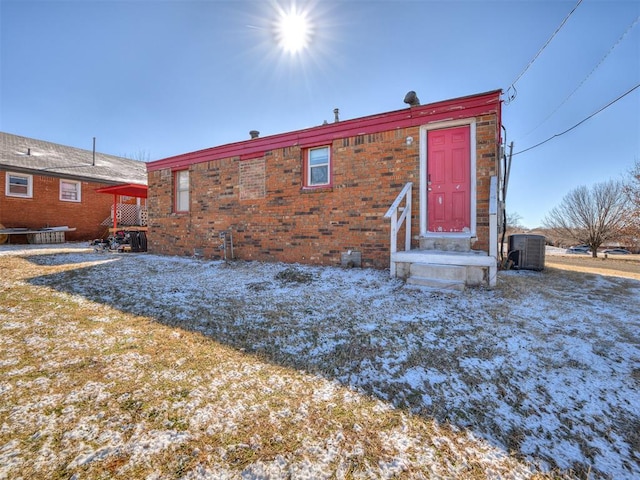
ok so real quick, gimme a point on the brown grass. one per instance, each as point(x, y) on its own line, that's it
point(89, 391)
point(624, 266)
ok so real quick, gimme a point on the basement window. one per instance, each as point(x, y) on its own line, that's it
point(181, 192)
point(318, 167)
point(19, 185)
point(70, 191)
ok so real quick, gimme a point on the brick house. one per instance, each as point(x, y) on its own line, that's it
point(43, 184)
point(323, 194)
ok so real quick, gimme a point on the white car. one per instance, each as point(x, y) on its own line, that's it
point(579, 249)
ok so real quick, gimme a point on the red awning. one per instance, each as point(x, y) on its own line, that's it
point(128, 189)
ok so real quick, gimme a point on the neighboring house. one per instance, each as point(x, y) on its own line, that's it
point(44, 184)
point(321, 195)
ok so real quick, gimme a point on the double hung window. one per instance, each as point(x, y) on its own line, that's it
point(70, 191)
point(318, 169)
point(181, 191)
point(19, 185)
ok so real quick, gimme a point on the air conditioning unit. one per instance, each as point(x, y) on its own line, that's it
point(527, 251)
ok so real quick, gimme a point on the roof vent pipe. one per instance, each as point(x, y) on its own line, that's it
point(94, 152)
point(412, 99)
point(28, 151)
point(336, 119)
point(254, 133)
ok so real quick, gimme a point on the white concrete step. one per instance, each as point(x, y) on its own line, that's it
point(473, 268)
point(436, 283)
point(444, 257)
point(438, 271)
point(446, 243)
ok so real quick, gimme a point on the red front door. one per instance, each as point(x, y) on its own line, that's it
point(448, 180)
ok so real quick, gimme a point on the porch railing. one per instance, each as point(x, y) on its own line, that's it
point(396, 223)
point(128, 214)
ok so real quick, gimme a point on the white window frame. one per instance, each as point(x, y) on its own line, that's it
point(7, 189)
point(327, 165)
point(424, 129)
point(78, 191)
point(181, 203)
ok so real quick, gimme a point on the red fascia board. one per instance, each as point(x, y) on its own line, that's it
point(128, 189)
point(255, 154)
point(453, 109)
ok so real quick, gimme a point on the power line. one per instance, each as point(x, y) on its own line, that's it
point(580, 122)
point(633, 24)
point(512, 87)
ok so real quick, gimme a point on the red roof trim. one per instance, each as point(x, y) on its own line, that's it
point(128, 189)
point(463, 107)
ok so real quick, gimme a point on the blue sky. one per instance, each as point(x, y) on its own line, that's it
point(155, 78)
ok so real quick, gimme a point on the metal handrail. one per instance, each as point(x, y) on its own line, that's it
point(396, 223)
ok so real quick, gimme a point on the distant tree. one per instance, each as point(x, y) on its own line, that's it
point(632, 188)
point(593, 215)
point(514, 221)
point(140, 155)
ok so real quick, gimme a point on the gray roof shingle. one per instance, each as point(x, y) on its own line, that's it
point(29, 155)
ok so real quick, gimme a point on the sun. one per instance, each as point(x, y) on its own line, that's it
point(293, 30)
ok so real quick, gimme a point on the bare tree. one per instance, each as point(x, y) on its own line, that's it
point(592, 215)
point(141, 156)
point(514, 221)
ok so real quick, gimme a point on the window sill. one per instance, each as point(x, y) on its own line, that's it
point(13, 195)
point(318, 189)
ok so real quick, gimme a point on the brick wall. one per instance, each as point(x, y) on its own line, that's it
point(285, 222)
point(46, 209)
point(487, 147)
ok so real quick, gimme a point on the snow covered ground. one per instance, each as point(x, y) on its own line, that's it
point(545, 367)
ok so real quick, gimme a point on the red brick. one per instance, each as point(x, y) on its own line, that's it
point(45, 209)
point(292, 224)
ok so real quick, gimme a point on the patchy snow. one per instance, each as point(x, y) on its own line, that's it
point(546, 366)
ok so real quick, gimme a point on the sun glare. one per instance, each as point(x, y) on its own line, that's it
point(293, 31)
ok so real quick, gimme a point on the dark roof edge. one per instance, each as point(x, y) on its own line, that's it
point(50, 173)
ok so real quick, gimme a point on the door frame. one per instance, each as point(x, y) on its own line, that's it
point(424, 161)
